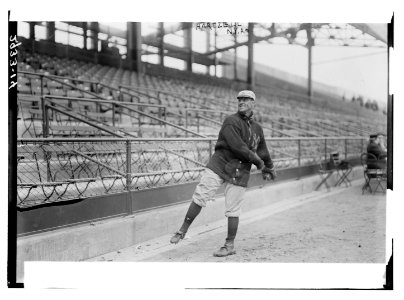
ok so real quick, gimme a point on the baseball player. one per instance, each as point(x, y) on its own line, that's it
point(240, 144)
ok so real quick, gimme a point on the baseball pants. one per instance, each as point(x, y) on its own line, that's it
point(206, 189)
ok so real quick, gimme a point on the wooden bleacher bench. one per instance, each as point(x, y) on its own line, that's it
point(101, 116)
point(128, 127)
point(153, 129)
point(73, 129)
point(29, 110)
point(136, 128)
point(35, 113)
point(30, 98)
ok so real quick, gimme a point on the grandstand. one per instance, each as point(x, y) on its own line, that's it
point(92, 100)
point(98, 138)
point(152, 95)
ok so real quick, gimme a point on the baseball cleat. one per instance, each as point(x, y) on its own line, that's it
point(178, 236)
point(225, 251)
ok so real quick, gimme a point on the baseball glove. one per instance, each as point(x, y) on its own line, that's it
point(268, 173)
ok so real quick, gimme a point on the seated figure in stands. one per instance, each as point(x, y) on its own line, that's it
point(377, 149)
point(240, 144)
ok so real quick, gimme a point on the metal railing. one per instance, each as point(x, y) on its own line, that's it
point(54, 170)
point(267, 107)
point(131, 90)
point(125, 108)
point(177, 96)
point(96, 85)
point(210, 113)
point(199, 115)
point(61, 80)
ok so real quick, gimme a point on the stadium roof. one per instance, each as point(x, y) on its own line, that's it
point(378, 31)
point(322, 34)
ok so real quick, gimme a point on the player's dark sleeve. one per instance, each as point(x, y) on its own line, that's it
point(375, 150)
point(383, 154)
point(263, 153)
point(231, 135)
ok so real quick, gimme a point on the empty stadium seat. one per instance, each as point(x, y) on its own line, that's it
point(74, 93)
point(156, 90)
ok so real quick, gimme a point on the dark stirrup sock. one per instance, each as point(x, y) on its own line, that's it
point(232, 225)
point(193, 210)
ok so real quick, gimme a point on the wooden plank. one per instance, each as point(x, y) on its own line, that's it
point(129, 127)
point(136, 128)
point(73, 128)
point(26, 104)
point(153, 129)
point(34, 111)
point(28, 97)
point(100, 115)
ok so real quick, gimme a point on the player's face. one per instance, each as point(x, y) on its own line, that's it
point(245, 105)
point(380, 140)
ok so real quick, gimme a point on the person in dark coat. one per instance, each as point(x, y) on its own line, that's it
point(240, 144)
point(377, 159)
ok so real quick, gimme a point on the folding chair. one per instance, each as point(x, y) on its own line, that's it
point(325, 173)
point(342, 167)
point(373, 170)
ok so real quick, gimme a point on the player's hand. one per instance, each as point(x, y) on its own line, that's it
point(256, 160)
point(266, 176)
point(268, 173)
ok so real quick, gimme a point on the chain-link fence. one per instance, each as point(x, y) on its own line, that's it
point(54, 170)
point(163, 162)
point(58, 171)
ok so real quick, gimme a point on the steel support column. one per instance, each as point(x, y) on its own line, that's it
point(215, 52)
point(32, 35)
point(134, 38)
point(235, 56)
point(94, 41)
point(128, 177)
point(95, 28)
point(161, 43)
point(207, 49)
point(84, 25)
point(310, 44)
point(390, 106)
point(50, 31)
point(188, 46)
point(250, 63)
point(32, 30)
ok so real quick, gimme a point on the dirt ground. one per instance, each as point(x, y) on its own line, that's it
point(342, 227)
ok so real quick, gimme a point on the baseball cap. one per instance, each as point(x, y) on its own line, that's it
point(375, 135)
point(246, 94)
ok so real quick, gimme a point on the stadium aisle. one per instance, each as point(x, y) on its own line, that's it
point(338, 226)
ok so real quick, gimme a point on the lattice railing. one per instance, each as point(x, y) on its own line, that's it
point(55, 170)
